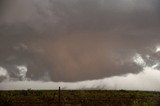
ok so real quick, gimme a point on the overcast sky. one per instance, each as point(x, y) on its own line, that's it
point(77, 40)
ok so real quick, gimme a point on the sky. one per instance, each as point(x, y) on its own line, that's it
point(94, 44)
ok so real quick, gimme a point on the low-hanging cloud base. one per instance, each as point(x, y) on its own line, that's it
point(148, 80)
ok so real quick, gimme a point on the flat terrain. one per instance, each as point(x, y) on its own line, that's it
point(79, 98)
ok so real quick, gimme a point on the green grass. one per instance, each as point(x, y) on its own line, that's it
point(80, 98)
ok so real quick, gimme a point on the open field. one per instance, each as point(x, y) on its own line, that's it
point(79, 98)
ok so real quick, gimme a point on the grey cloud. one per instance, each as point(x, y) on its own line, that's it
point(77, 39)
point(147, 80)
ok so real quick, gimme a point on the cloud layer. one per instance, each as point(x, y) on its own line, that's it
point(148, 79)
point(77, 40)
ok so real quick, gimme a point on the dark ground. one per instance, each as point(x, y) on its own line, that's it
point(79, 98)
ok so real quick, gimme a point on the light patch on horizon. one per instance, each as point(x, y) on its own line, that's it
point(22, 71)
point(157, 49)
point(139, 60)
point(3, 72)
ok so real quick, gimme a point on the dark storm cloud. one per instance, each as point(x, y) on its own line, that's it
point(77, 39)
